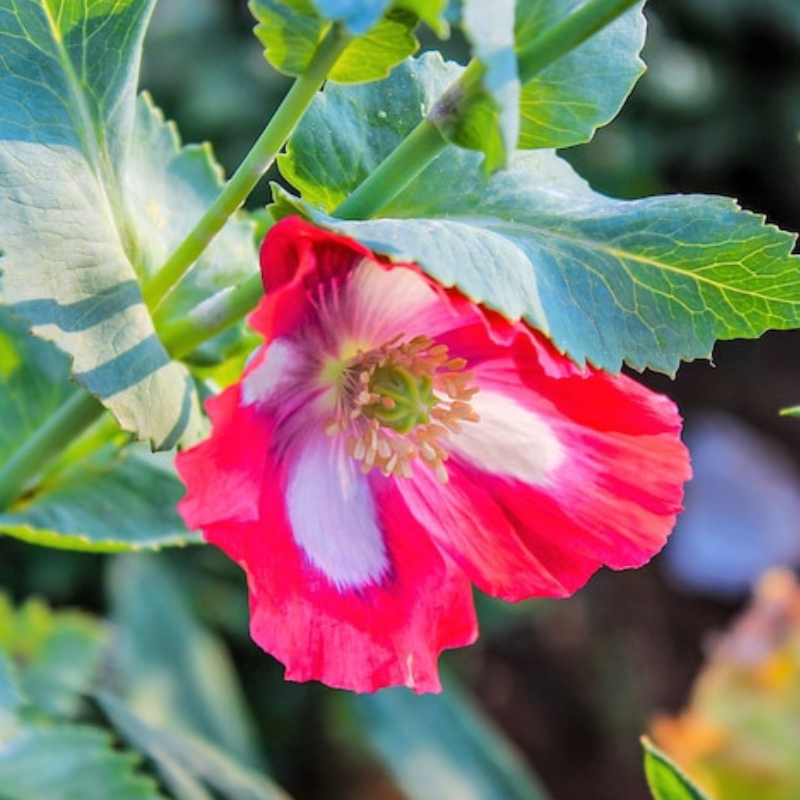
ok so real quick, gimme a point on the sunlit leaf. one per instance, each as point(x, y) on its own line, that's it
point(665, 779)
point(291, 32)
point(88, 209)
point(565, 103)
point(648, 282)
point(358, 16)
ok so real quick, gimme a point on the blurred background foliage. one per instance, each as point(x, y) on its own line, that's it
point(560, 688)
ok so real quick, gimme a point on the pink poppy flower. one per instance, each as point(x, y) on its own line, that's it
point(393, 443)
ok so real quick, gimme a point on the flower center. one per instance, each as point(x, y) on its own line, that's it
point(398, 402)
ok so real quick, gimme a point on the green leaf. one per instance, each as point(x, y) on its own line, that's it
point(10, 698)
point(327, 162)
point(565, 103)
point(35, 380)
point(80, 228)
point(359, 17)
point(177, 676)
point(69, 761)
point(104, 501)
point(649, 282)
point(291, 32)
point(109, 503)
point(56, 654)
point(489, 123)
point(187, 763)
point(168, 187)
point(441, 747)
point(666, 781)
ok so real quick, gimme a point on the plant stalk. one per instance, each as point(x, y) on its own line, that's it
point(251, 170)
point(74, 417)
point(396, 172)
point(427, 141)
point(567, 34)
point(405, 163)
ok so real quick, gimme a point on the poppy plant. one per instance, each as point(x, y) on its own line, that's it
point(393, 443)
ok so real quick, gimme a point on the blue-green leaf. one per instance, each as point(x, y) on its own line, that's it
point(188, 764)
point(176, 675)
point(102, 501)
point(64, 762)
point(441, 747)
point(565, 103)
point(55, 655)
point(10, 697)
point(108, 503)
point(666, 780)
point(90, 206)
point(648, 282)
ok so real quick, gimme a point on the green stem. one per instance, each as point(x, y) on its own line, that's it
point(396, 172)
point(184, 335)
point(559, 39)
point(251, 170)
point(427, 141)
point(80, 411)
point(404, 164)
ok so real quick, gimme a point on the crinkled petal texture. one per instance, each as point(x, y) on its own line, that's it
point(360, 577)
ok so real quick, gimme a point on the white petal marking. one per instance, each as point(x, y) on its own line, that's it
point(264, 381)
point(333, 517)
point(508, 440)
point(387, 302)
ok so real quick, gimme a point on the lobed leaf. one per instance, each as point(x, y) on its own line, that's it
point(89, 209)
point(564, 104)
point(441, 747)
point(186, 763)
point(62, 762)
point(291, 31)
point(665, 780)
point(648, 282)
point(103, 501)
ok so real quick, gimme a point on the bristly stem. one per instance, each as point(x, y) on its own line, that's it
point(184, 335)
point(38, 451)
point(404, 164)
point(427, 140)
point(567, 34)
point(251, 170)
point(396, 172)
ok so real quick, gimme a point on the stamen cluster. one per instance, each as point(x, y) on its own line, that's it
point(397, 402)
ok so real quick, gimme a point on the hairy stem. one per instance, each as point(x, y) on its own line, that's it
point(251, 170)
point(404, 164)
point(567, 34)
point(72, 419)
point(427, 140)
point(396, 172)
